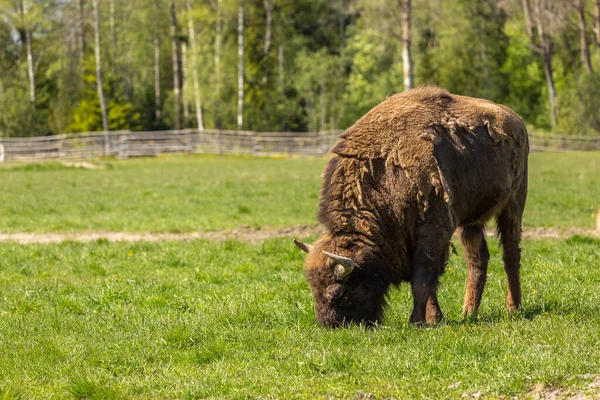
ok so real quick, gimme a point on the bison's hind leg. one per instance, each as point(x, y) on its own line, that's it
point(477, 254)
point(428, 263)
point(509, 230)
point(433, 313)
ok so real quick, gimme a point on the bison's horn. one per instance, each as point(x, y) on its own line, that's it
point(305, 247)
point(344, 265)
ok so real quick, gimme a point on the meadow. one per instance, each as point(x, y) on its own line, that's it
point(229, 319)
point(187, 194)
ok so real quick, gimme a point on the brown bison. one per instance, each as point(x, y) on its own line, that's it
point(401, 181)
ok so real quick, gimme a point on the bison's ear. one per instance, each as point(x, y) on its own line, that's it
point(305, 247)
point(344, 265)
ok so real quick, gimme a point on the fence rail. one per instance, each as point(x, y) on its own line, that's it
point(126, 144)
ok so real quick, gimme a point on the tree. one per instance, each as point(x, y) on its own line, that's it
point(583, 38)
point(240, 35)
point(99, 72)
point(597, 23)
point(406, 7)
point(176, 64)
point(543, 45)
point(195, 79)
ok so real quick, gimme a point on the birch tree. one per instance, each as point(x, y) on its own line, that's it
point(195, 78)
point(218, 7)
point(406, 7)
point(597, 23)
point(542, 45)
point(176, 72)
point(184, 81)
point(240, 35)
point(81, 22)
point(99, 75)
point(583, 38)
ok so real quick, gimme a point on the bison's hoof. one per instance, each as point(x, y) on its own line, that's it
point(435, 318)
point(470, 313)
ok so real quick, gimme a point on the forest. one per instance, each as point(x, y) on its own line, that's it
point(288, 65)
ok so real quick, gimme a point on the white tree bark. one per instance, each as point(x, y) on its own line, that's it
point(583, 39)
point(184, 75)
point(240, 32)
point(280, 68)
point(218, 6)
point(268, 4)
point(527, 16)
point(99, 76)
point(157, 105)
point(546, 52)
point(195, 79)
point(176, 72)
point(597, 23)
point(406, 40)
point(30, 72)
point(113, 31)
point(81, 34)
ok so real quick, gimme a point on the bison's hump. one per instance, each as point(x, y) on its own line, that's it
point(399, 130)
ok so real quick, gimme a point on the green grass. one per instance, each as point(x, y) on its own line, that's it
point(201, 193)
point(231, 320)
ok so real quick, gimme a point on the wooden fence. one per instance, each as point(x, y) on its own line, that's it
point(124, 144)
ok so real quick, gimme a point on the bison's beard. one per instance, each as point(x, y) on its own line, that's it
point(365, 309)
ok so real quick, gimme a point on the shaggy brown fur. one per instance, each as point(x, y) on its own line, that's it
point(401, 181)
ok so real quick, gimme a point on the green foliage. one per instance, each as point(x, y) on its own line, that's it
point(18, 117)
point(326, 64)
point(87, 117)
point(578, 105)
point(527, 93)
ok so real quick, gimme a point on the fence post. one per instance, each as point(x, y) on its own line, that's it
point(60, 146)
point(1, 152)
point(219, 150)
point(123, 141)
point(255, 144)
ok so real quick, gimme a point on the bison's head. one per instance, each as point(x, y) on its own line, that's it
point(345, 284)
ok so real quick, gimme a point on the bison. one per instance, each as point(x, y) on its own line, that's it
point(407, 175)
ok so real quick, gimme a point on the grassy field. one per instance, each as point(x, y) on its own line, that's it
point(186, 194)
point(204, 319)
point(233, 320)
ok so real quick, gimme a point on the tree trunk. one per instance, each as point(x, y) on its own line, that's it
point(240, 32)
point(157, 105)
point(184, 75)
point(406, 54)
point(99, 76)
point(268, 4)
point(583, 39)
point(29, 52)
point(195, 79)
point(546, 53)
point(81, 24)
point(30, 71)
point(176, 72)
point(322, 107)
point(597, 23)
point(217, 4)
point(528, 23)
point(113, 31)
point(281, 70)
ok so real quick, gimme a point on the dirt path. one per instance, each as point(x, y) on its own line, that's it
point(243, 234)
